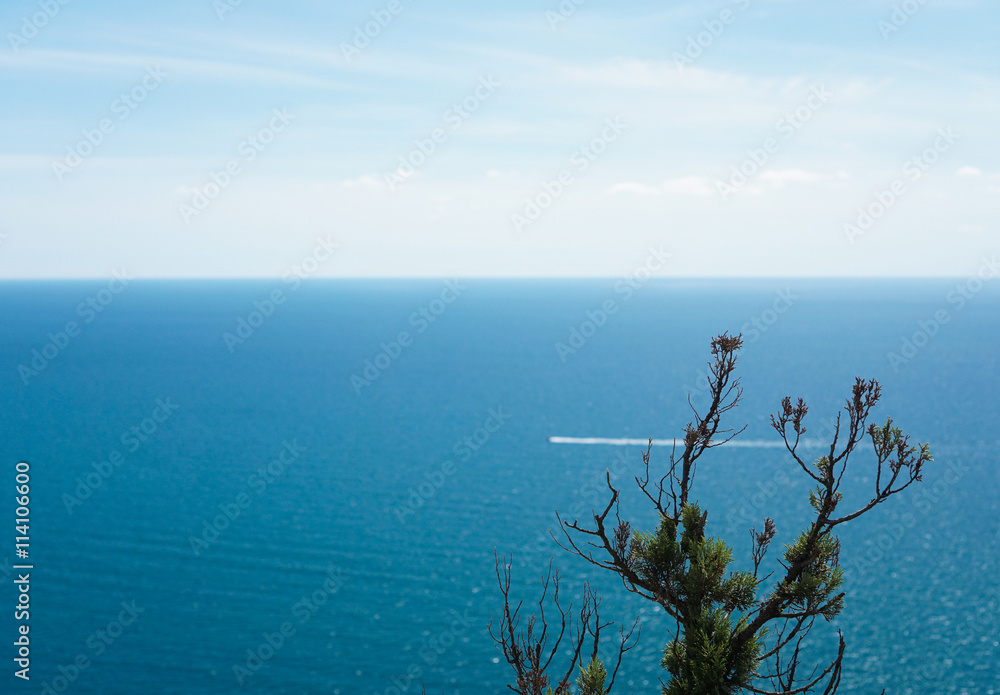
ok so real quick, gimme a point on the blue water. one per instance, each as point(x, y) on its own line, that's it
point(403, 590)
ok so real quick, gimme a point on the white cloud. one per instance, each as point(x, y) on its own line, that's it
point(365, 181)
point(631, 187)
point(685, 185)
point(172, 66)
point(688, 185)
point(657, 74)
point(969, 171)
point(24, 161)
point(779, 177)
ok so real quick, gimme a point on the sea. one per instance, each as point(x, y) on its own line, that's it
point(307, 487)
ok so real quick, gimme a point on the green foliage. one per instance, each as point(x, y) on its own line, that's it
point(591, 680)
point(689, 574)
point(889, 439)
point(722, 618)
point(701, 662)
point(820, 578)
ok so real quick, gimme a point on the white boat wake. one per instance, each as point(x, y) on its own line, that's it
point(736, 443)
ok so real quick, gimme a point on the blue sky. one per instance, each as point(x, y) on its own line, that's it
point(867, 135)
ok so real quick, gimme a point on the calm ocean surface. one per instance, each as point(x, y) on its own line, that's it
point(364, 508)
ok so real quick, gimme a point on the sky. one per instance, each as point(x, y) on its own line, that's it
point(423, 138)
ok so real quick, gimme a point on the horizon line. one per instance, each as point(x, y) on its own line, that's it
point(56, 278)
